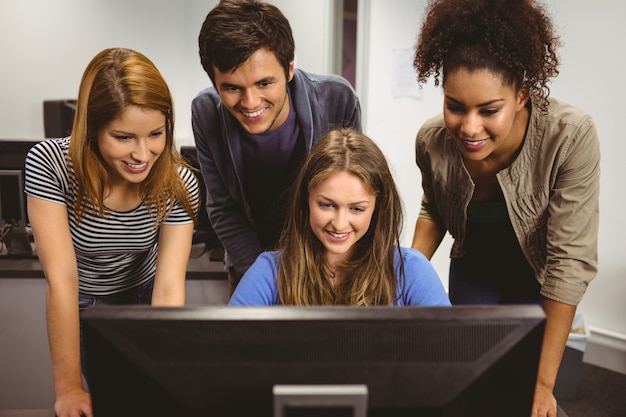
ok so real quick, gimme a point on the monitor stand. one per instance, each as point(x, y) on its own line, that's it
point(315, 400)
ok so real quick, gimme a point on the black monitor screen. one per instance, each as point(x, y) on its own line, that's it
point(58, 117)
point(13, 234)
point(13, 210)
point(13, 157)
point(13, 153)
point(226, 361)
point(12, 207)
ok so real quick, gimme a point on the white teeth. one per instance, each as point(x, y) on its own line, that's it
point(254, 114)
point(338, 235)
point(136, 166)
point(475, 142)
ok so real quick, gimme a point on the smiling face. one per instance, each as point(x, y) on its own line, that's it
point(486, 118)
point(256, 92)
point(131, 144)
point(341, 209)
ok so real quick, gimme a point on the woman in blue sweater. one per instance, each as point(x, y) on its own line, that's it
point(340, 244)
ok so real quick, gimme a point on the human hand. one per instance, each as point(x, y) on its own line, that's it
point(76, 403)
point(544, 403)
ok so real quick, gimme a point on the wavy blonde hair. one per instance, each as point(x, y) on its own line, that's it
point(303, 275)
point(115, 79)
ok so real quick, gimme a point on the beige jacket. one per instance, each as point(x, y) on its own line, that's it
point(551, 192)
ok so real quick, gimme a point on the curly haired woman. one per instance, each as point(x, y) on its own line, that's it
point(511, 173)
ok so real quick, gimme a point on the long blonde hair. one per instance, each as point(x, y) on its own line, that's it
point(115, 79)
point(303, 275)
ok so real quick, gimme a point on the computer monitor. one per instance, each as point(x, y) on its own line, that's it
point(12, 207)
point(226, 361)
point(58, 117)
point(13, 210)
point(13, 213)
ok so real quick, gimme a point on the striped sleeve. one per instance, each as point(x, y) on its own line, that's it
point(47, 172)
point(178, 215)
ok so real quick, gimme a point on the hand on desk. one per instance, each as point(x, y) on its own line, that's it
point(544, 403)
point(76, 403)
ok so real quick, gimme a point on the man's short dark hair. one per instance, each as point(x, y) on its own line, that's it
point(236, 29)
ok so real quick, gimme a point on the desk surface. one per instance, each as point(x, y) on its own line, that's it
point(50, 413)
point(200, 267)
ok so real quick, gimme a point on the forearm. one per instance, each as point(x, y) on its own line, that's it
point(427, 237)
point(62, 319)
point(233, 229)
point(171, 269)
point(227, 216)
point(172, 295)
point(238, 238)
point(559, 318)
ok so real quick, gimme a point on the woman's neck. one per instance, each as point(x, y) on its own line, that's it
point(123, 196)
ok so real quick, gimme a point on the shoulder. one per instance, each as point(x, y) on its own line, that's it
point(48, 171)
point(329, 79)
point(421, 284)
point(189, 178)
point(413, 261)
point(206, 100)
point(265, 267)
point(332, 85)
point(565, 127)
point(565, 113)
point(563, 120)
point(432, 135)
point(432, 128)
point(186, 173)
point(413, 256)
point(259, 285)
point(52, 145)
point(269, 259)
point(433, 140)
point(49, 152)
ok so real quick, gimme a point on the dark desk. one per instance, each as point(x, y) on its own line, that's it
point(26, 381)
point(200, 267)
point(50, 413)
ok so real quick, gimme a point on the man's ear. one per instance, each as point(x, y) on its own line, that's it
point(292, 69)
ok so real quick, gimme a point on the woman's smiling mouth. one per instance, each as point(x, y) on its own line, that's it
point(137, 168)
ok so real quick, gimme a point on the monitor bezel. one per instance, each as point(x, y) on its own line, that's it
point(17, 224)
point(102, 322)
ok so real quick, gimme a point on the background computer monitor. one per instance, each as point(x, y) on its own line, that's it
point(58, 117)
point(225, 361)
point(13, 153)
point(13, 236)
point(13, 209)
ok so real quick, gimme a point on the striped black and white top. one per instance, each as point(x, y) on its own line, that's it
point(115, 252)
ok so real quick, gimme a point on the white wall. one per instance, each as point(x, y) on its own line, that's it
point(46, 44)
point(592, 78)
point(393, 122)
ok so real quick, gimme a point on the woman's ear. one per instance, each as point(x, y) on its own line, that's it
point(522, 98)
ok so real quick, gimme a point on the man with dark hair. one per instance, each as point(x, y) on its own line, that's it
point(253, 128)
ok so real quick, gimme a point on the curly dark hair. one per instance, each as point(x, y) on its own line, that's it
point(512, 38)
point(235, 29)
